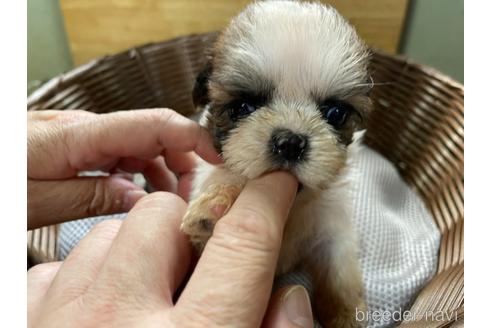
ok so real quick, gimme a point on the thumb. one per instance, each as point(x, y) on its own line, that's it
point(55, 201)
point(289, 307)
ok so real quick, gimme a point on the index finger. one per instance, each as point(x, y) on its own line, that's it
point(234, 276)
point(93, 143)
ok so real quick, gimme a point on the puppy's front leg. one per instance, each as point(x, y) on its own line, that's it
point(215, 190)
point(337, 283)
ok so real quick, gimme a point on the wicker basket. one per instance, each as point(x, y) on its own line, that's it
point(417, 125)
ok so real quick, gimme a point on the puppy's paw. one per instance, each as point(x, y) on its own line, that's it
point(205, 210)
point(350, 317)
point(342, 315)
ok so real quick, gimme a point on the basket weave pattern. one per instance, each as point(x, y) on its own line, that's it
point(417, 124)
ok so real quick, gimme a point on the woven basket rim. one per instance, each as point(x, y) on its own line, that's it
point(427, 69)
point(52, 84)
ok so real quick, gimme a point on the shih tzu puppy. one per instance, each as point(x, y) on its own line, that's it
point(285, 87)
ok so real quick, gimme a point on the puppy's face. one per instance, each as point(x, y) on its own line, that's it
point(285, 88)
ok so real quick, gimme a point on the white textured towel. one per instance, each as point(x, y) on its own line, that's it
point(399, 240)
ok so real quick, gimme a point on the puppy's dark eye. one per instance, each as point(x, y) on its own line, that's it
point(240, 110)
point(336, 112)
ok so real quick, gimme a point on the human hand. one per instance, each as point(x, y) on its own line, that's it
point(126, 273)
point(157, 142)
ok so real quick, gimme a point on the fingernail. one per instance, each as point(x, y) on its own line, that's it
point(297, 306)
point(131, 197)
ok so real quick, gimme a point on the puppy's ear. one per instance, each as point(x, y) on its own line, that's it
point(200, 90)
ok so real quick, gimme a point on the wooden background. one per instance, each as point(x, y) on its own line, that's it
point(100, 27)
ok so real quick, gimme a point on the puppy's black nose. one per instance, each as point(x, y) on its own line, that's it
point(288, 146)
